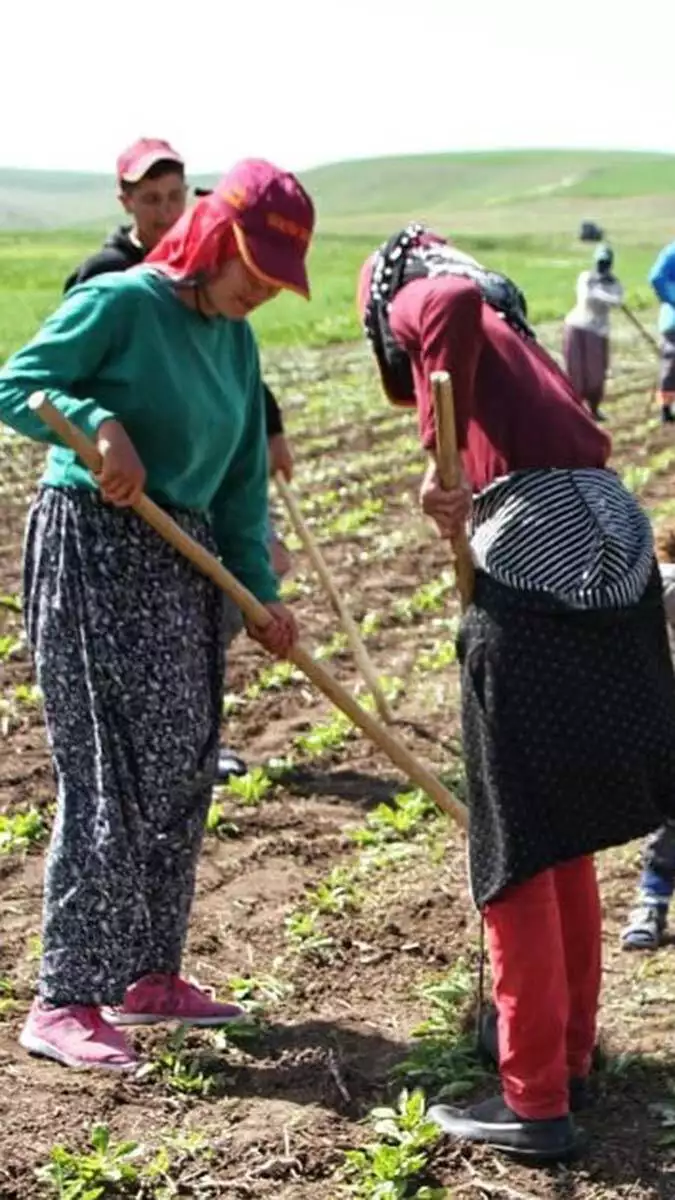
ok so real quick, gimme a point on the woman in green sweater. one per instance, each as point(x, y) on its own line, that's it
point(159, 366)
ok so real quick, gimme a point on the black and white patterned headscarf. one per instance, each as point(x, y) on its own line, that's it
point(416, 253)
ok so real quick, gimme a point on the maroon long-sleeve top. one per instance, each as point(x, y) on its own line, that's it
point(515, 409)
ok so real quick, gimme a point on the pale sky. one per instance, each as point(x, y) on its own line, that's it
point(304, 82)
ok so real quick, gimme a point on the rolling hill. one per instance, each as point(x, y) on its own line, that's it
point(490, 193)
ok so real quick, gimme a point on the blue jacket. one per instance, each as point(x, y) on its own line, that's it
point(662, 279)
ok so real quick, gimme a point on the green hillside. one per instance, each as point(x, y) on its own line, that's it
point(58, 199)
point(539, 191)
point(494, 178)
point(518, 192)
point(518, 211)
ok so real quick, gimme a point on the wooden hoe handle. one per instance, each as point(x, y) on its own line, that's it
point(447, 458)
point(257, 614)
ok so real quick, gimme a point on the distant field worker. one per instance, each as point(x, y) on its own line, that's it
point(586, 330)
point(159, 366)
point(662, 279)
point(568, 693)
point(647, 926)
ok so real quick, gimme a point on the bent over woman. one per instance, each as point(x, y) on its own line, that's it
point(568, 695)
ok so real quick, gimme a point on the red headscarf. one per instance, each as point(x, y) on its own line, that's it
point(199, 244)
point(257, 211)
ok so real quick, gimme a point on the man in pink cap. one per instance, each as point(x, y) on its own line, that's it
point(151, 189)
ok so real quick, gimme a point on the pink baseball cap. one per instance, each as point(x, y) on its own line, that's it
point(135, 162)
point(273, 221)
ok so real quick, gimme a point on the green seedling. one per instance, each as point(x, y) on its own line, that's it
point(387, 545)
point(175, 1150)
point(336, 894)
point(11, 646)
point(179, 1070)
point(12, 602)
point(337, 645)
point(636, 478)
point(429, 598)
point(218, 823)
point(370, 625)
point(34, 947)
point(662, 461)
point(447, 997)
point(8, 1001)
point(306, 938)
point(400, 820)
point(273, 678)
point(250, 790)
point(391, 685)
point(238, 1034)
point(257, 993)
point(447, 1066)
point(330, 736)
point(28, 694)
point(442, 1057)
point(442, 655)
point(387, 1169)
point(356, 520)
point(99, 1172)
point(19, 831)
point(328, 499)
point(291, 589)
point(386, 856)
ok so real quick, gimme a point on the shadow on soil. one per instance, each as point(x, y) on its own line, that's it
point(365, 789)
point(627, 1154)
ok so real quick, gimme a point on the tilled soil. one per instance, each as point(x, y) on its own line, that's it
point(284, 1106)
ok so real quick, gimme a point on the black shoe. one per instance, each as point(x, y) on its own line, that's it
point(494, 1124)
point(667, 414)
point(579, 1092)
point(229, 764)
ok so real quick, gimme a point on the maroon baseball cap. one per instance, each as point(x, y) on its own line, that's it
point(273, 221)
point(135, 162)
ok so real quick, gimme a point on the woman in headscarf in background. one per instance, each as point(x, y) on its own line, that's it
point(586, 330)
point(160, 368)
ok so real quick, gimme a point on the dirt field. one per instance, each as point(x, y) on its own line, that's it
point(360, 963)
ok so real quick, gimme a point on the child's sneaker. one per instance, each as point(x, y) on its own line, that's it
point(76, 1036)
point(157, 998)
point(646, 927)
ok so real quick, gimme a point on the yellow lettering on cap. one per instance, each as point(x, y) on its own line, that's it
point(291, 228)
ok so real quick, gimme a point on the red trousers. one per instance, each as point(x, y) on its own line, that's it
point(544, 938)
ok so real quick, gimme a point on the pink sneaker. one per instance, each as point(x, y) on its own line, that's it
point(76, 1036)
point(157, 998)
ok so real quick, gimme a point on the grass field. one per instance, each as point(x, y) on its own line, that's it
point(519, 212)
point(34, 266)
point(331, 898)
